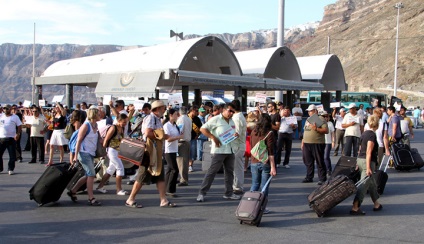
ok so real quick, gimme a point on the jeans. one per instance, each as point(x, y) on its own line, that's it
point(200, 149)
point(351, 143)
point(217, 161)
point(8, 143)
point(193, 149)
point(327, 159)
point(260, 175)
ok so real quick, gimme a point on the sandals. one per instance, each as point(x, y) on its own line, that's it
point(168, 205)
point(72, 196)
point(133, 205)
point(94, 202)
point(378, 208)
point(357, 212)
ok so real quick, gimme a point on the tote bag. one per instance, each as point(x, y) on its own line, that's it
point(260, 150)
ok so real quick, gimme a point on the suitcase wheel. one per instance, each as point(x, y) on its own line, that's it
point(40, 204)
point(241, 222)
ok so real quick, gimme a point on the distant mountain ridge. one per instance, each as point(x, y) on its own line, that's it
point(361, 34)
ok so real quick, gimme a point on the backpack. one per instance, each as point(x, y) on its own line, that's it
point(260, 150)
point(73, 140)
point(103, 132)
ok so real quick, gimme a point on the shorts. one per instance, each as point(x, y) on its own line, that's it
point(144, 177)
point(87, 163)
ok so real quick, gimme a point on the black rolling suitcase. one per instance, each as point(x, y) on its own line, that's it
point(331, 193)
point(402, 157)
point(381, 176)
point(418, 160)
point(252, 206)
point(346, 166)
point(79, 174)
point(50, 186)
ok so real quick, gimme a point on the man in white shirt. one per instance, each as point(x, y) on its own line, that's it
point(339, 137)
point(8, 136)
point(298, 112)
point(183, 156)
point(240, 144)
point(354, 126)
point(37, 135)
point(285, 137)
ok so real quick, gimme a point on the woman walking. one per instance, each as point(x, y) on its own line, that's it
point(58, 139)
point(112, 141)
point(85, 150)
point(367, 160)
point(171, 149)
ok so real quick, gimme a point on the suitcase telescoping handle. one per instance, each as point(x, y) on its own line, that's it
point(387, 159)
point(362, 181)
point(266, 184)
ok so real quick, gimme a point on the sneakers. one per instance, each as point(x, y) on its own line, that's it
point(232, 197)
point(11, 172)
point(278, 166)
point(131, 182)
point(31, 162)
point(200, 198)
point(266, 211)
point(287, 166)
point(120, 193)
point(238, 192)
point(190, 169)
point(102, 190)
point(320, 183)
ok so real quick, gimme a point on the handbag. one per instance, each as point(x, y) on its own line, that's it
point(69, 130)
point(100, 149)
point(260, 150)
point(132, 150)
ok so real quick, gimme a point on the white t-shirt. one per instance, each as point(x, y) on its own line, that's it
point(328, 136)
point(37, 126)
point(297, 110)
point(354, 130)
point(378, 132)
point(172, 131)
point(8, 125)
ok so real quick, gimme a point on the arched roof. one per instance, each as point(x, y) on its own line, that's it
point(327, 69)
point(205, 54)
point(277, 64)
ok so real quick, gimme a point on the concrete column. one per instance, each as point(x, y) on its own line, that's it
point(326, 99)
point(244, 100)
point(338, 96)
point(289, 100)
point(184, 93)
point(69, 94)
point(197, 97)
point(157, 95)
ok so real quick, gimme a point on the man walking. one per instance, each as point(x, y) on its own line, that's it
point(10, 131)
point(221, 130)
point(416, 114)
point(340, 131)
point(184, 123)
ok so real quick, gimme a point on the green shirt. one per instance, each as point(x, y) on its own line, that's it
point(216, 126)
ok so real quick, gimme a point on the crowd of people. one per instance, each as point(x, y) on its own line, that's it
point(360, 133)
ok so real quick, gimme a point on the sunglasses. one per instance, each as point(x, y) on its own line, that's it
point(231, 111)
point(5, 108)
point(269, 106)
point(34, 111)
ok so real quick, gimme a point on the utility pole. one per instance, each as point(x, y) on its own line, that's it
point(398, 6)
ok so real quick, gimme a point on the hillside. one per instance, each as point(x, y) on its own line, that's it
point(362, 34)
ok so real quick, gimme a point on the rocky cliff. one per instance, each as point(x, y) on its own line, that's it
point(362, 34)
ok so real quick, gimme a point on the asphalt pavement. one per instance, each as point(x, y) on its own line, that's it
point(213, 221)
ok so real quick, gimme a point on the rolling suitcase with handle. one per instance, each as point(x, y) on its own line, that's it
point(346, 166)
point(81, 173)
point(252, 206)
point(51, 184)
point(381, 176)
point(331, 193)
point(402, 157)
point(418, 160)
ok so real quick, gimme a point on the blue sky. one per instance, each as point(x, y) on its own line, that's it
point(143, 22)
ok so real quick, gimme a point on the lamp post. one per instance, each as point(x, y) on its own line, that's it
point(398, 6)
